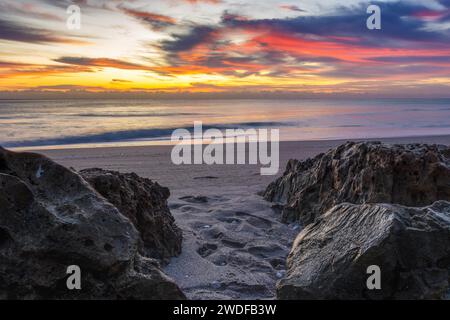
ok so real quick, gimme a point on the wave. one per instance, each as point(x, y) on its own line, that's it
point(132, 135)
point(135, 115)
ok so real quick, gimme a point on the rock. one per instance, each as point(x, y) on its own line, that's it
point(330, 257)
point(144, 202)
point(50, 218)
point(365, 172)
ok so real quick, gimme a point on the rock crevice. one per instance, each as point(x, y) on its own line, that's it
point(144, 202)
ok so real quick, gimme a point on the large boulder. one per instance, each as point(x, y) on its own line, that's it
point(144, 202)
point(411, 246)
point(50, 218)
point(365, 172)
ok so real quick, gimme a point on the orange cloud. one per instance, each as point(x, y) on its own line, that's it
point(101, 62)
point(14, 69)
point(148, 16)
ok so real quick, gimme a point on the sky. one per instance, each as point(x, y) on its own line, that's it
point(224, 48)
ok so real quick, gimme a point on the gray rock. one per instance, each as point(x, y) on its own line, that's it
point(144, 202)
point(51, 218)
point(330, 257)
point(365, 172)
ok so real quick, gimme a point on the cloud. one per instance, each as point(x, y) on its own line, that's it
point(187, 41)
point(100, 62)
point(338, 45)
point(156, 21)
point(7, 65)
point(121, 81)
point(15, 69)
point(352, 22)
point(291, 8)
point(14, 32)
point(69, 87)
point(415, 59)
point(29, 10)
point(237, 47)
point(344, 27)
point(200, 1)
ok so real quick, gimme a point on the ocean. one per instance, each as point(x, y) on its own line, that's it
point(87, 123)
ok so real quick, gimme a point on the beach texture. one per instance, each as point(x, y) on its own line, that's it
point(234, 242)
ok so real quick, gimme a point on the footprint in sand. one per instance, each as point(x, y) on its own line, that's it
point(266, 251)
point(210, 252)
point(188, 208)
point(195, 199)
point(220, 260)
point(229, 219)
point(233, 244)
point(175, 206)
point(206, 178)
point(207, 249)
point(213, 233)
point(255, 220)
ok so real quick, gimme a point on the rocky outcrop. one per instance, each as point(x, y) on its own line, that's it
point(368, 204)
point(144, 202)
point(51, 218)
point(366, 172)
point(411, 246)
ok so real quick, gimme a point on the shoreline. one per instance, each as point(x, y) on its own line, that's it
point(168, 143)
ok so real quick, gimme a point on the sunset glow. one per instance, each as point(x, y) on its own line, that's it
point(224, 46)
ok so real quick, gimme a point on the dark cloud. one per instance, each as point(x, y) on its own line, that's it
point(347, 26)
point(345, 30)
point(352, 23)
point(187, 41)
point(14, 32)
point(414, 59)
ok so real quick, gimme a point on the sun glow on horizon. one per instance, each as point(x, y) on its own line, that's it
point(224, 46)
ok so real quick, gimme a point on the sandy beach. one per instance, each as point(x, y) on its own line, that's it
point(234, 245)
